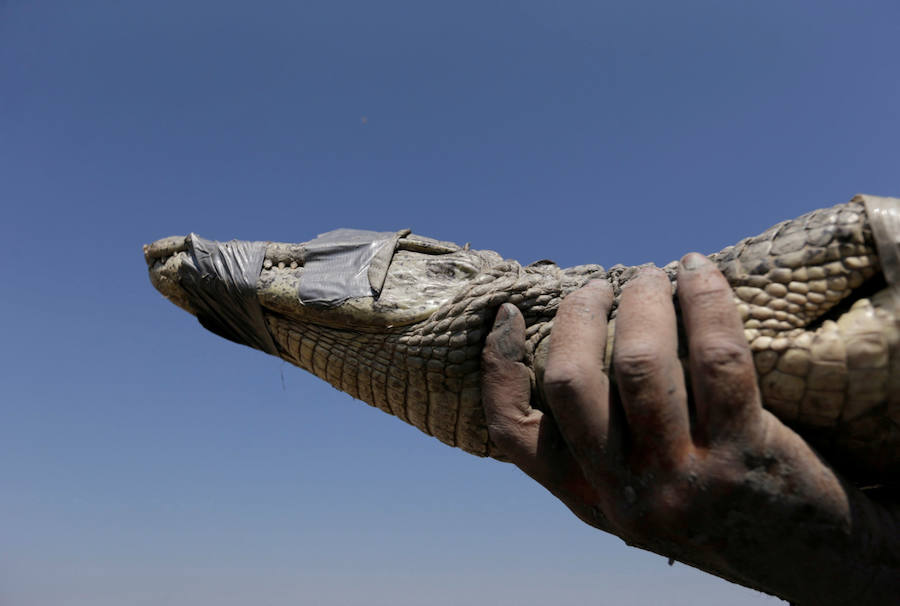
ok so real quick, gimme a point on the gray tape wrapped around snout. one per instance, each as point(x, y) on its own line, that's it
point(345, 264)
point(220, 278)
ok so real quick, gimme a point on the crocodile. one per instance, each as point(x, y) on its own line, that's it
point(399, 320)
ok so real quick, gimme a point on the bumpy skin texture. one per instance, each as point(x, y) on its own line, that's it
point(823, 328)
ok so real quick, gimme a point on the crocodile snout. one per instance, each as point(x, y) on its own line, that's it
point(164, 248)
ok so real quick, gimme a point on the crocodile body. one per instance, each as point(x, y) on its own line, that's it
point(820, 310)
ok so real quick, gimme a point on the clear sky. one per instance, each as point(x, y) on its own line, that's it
point(146, 461)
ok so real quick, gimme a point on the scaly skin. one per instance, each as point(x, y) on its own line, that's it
point(823, 327)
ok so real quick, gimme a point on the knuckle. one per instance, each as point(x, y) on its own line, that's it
point(721, 356)
point(636, 362)
point(566, 379)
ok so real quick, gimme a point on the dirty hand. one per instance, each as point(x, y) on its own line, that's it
point(713, 480)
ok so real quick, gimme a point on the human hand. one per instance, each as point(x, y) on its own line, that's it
point(714, 480)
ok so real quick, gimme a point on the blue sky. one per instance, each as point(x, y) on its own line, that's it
point(146, 461)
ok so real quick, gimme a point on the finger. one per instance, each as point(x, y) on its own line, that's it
point(506, 381)
point(723, 379)
point(525, 436)
point(575, 382)
point(648, 372)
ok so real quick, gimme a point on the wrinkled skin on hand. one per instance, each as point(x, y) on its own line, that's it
point(712, 480)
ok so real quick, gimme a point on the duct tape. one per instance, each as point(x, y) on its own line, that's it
point(220, 278)
point(884, 218)
point(345, 264)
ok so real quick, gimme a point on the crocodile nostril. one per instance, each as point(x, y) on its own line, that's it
point(163, 248)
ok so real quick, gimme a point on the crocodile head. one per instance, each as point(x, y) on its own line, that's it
point(377, 282)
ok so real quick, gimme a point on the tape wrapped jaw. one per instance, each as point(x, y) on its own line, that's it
point(353, 279)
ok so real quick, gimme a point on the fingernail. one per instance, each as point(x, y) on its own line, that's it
point(693, 261)
point(503, 314)
point(504, 334)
